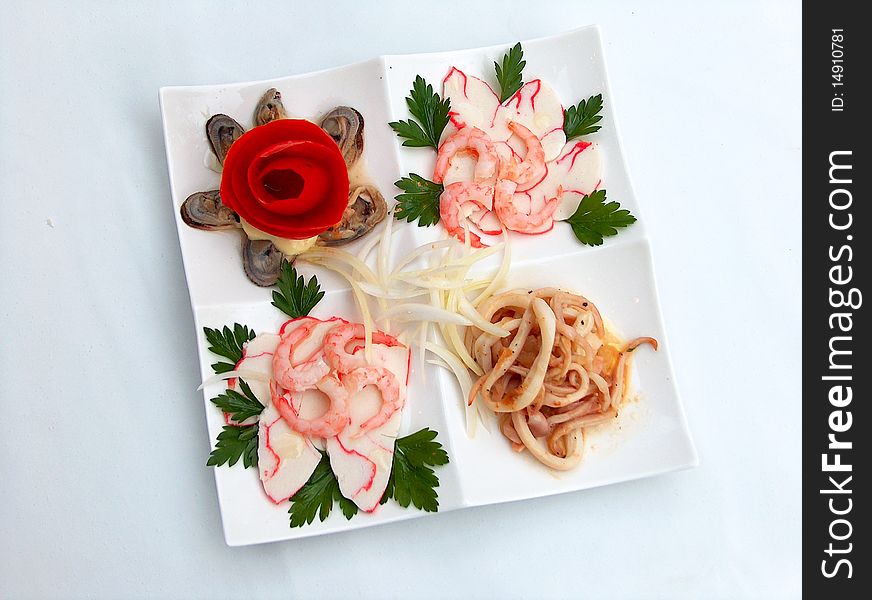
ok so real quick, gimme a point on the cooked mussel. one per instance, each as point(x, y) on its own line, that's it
point(269, 108)
point(345, 125)
point(204, 210)
point(261, 260)
point(366, 209)
point(222, 131)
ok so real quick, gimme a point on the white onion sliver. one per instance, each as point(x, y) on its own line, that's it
point(423, 334)
point(378, 291)
point(453, 338)
point(501, 273)
point(421, 251)
point(415, 313)
point(435, 283)
point(360, 300)
point(317, 253)
point(478, 255)
point(468, 311)
point(241, 373)
point(384, 249)
point(439, 363)
point(368, 246)
point(463, 379)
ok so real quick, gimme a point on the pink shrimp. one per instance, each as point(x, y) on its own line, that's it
point(387, 384)
point(337, 340)
point(519, 216)
point(476, 141)
point(293, 371)
point(530, 171)
point(334, 420)
point(458, 201)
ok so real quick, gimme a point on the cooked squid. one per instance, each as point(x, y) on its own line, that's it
point(556, 371)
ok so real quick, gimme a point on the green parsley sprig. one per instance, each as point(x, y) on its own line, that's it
point(594, 219)
point(228, 343)
point(296, 297)
point(510, 72)
point(420, 202)
point(412, 480)
point(316, 498)
point(582, 119)
point(239, 406)
point(431, 113)
point(235, 442)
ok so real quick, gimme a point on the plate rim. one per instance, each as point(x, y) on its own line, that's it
point(691, 460)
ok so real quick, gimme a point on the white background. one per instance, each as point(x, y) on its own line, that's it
point(103, 492)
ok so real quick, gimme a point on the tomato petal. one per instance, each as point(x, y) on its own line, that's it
point(286, 178)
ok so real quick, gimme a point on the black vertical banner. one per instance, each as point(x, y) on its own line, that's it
point(836, 229)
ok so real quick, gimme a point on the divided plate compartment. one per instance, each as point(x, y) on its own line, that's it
point(651, 435)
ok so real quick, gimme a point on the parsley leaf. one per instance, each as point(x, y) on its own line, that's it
point(595, 219)
point(228, 344)
point(412, 481)
point(431, 113)
point(235, 442)
point(581, 119)
point(510, 71)
point(415, 136)
point(317, 496)
point(296, 297)
point(239, 406)
point(419, 202)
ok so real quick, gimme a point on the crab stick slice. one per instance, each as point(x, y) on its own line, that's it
point(285, 459)
point(579, 170)
point(473, 102)
point(362, 460)
point(576, 171)
point(536, 107)
point(257, 356)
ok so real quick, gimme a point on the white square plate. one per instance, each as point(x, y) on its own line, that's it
point(651, 436)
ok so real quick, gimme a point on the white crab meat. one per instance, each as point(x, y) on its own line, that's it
point(473, 102)
point(362, 463)
point(257, 356)
point(285, 459)
point(579, 169)
point(576, 171)
point(536, 107)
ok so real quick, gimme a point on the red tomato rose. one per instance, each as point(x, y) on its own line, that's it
point(286, 178)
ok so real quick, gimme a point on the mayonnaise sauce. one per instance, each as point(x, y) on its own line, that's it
point(287, 246)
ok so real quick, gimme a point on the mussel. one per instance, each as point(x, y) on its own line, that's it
point(222, 131)
point(366, 209)
point(262, 261)
point(204, 210)
point(345, 125)
point(269, 108)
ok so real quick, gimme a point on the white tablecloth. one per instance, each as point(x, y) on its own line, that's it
point(103, 492)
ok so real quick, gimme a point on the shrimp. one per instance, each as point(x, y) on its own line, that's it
point(335, 342)
point(476, 141)
point(387, 384)
point(458, 201)
point(530, 171)
point(297, 373)
point(334, 420)
point(520, 215)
